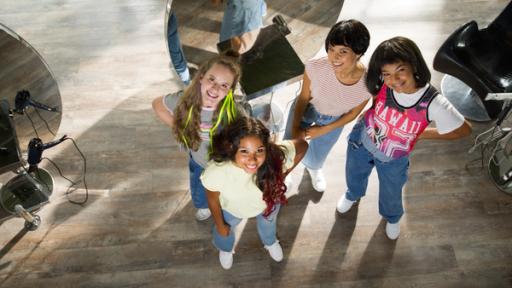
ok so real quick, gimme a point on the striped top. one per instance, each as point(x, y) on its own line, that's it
point(330, 96)
point(201, 155)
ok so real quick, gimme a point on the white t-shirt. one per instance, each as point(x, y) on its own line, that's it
point(440, 110)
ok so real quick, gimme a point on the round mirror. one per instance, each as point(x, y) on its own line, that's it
point(199, 24)
point(27, 82)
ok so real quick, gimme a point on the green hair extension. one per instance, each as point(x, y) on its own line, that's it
point(189, 116)
point(228, 107)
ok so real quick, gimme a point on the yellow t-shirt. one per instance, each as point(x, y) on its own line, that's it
point(239, 194)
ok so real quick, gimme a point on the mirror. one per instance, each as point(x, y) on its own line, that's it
point(268, 60)
point(23, 68)
point(10, 156)
point(28, 93)
point(199, 24)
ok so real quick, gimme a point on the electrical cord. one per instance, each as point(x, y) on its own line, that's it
point(32, 123)
point(84, 170)
point(82, 179)
point(44, 121)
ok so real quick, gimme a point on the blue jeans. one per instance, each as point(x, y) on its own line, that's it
point(266, 230)
point(392, 176)
point(175, 50)
point(241, 16)
point(196, 186)
point(319, 147)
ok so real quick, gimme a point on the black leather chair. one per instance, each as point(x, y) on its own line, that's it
point(482, 60)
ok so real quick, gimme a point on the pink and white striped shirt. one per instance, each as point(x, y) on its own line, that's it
point(330, 96)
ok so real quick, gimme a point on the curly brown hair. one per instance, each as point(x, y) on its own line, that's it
point(191, 102)
point(270, 176)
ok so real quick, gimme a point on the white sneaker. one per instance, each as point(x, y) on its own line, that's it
point(226, 259)
point(203, 214)
point(317, 179)
point(288, 182)
point(393, 230)
point(275, 251)
point(344, 204)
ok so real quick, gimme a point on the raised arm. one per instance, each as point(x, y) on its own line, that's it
point(161, 111)
point(214, 205)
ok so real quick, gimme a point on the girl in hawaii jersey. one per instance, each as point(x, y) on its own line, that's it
point(404, 104)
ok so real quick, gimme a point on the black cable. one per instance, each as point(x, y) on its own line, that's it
point(84, 172)
point(33, 126)
point(73, 183)
point(68, 192)
point(45, 122)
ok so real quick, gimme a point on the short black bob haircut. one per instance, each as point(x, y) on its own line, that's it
point(350, 33)
point(397, 49)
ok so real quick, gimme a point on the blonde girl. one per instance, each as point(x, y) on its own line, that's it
point(194, 115)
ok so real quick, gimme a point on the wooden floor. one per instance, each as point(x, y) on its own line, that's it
point(199, 24)
point(138, 228)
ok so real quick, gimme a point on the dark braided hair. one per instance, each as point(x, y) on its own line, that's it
point(270, 175)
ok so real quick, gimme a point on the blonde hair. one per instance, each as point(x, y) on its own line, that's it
point(187, 115)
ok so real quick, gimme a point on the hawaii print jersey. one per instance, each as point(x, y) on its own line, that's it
point(394, 128)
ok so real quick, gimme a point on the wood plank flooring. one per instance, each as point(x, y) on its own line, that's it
point(138, 229)
point(309, 20)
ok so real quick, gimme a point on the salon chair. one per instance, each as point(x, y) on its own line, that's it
point(477, 62)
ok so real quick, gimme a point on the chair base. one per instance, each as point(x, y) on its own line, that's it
point(464, 99)
point(271, 115)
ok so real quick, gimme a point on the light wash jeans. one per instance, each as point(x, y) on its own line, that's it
point(392, 175)
point(196, 186)
point(266, 230)
point(175, 50)
point(241, 16)
point(319, 147)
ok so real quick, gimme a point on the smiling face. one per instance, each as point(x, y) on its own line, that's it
point(215, 85)
point(342, 58)
point(251, 154)
point(399, 76)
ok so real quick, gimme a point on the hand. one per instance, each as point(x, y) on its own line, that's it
point(313, 132)
point(223, 230)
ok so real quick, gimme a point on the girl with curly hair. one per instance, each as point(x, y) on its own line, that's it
point(245, 179)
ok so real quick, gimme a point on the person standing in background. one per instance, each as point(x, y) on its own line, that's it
point(241, 16)
point(176, 52)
